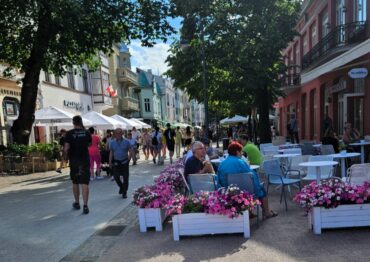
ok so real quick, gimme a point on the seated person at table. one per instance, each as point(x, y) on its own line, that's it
point(351, 135)
point(210, 151)
point(197, 164)
point(251, 150)
point(330, 139)
point(234, 164)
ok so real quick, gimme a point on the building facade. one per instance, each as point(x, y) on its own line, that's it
point(327, 65)
point(10, 97)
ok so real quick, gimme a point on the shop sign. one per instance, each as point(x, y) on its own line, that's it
point(73, 105)
point(358, 73)
point(338, 87)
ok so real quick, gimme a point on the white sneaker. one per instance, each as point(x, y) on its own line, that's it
point(91, 178)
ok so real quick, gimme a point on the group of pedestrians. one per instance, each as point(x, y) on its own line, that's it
point(87, 152)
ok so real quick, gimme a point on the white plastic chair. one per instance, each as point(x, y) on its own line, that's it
point(294, 164)
point(271, 150)
point(325, 171)
point(358, 174)
point(201, 182)
point(263, 146)
point(293, 151)
point(327, 150)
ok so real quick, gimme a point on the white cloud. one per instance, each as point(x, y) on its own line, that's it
point(149, 57)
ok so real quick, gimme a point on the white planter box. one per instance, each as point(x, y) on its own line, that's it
point(151, 217)
point(357, 215)
point(202, 224)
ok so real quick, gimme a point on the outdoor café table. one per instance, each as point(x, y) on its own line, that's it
point(286, 158)
point(217, 161)
point(362, 144)
point(287, 146)
point(318, 165)
point(342, 157)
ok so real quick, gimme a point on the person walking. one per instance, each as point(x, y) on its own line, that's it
point(156, 144)
point(133, 144)
point(136, 134)
point(178, 142)
point(94, 153)
point(119, 159)
point(293, 126)
point(188, 138)
point(76, 146)
point(169, 135)
point(146, 144)
point(63, 157)
point(164, 146)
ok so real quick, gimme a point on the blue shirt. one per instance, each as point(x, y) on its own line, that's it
point(236, 165)
point(120, 148)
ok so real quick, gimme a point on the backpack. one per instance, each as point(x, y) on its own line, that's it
point(154, 139)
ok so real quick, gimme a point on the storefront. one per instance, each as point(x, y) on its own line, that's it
point(10, 95)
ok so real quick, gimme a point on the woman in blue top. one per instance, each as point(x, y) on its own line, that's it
point(234, 164)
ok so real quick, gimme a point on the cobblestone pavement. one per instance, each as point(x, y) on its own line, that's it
point(38, 223)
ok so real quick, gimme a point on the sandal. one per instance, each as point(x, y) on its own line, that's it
point(272, 214)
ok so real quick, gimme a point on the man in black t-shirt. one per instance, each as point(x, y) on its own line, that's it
point(169, 134)
point(76, 146)
point(197, 164)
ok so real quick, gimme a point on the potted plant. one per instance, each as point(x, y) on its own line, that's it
point(335, 204)
point(216, 212)
point(151, 201)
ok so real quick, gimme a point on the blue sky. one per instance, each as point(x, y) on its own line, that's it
point(153, 57)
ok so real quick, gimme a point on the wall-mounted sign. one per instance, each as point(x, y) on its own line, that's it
point(73, 105)
point(342, 85)
point(358, 73)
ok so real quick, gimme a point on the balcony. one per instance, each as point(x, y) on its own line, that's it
point(339, 40)
point(127, 77)
point(291, 79)
point(129, 104)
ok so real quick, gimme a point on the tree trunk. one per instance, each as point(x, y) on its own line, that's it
point(21, 128)
point(263, 110)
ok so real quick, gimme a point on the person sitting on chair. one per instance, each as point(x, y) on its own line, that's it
point(197, 164)
point(234, 164)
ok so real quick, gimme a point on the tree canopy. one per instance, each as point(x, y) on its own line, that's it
point(52, 35)
point(243, 42)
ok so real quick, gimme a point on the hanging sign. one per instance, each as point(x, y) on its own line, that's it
point(358, 73)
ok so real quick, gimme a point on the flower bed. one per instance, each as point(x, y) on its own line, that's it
point(335, 204)
point(211, 212)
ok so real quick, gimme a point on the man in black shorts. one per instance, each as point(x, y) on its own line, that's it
point(76, 146)
point(169, 134)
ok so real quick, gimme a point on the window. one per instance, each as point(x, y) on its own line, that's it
point(297, 55)
point(47, 77)
point(147, 104)
point(84, 80)
point(313, 34)
point(305, 44)
point(325, 26)
point(105, 80)
point(57, 80)
point(70, 77)
point(359, 10)
point(168, 100)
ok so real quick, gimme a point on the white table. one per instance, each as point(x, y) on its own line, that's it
point(318, 165)
point(342, 158)
point(217, 161)
point(362, 144)
point(287, 157)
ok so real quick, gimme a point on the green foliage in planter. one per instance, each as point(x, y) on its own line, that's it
point(17, 150)
point(49, 151)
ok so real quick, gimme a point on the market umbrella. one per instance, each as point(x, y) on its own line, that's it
point(103, 122)
point(143, 124)
point(52, 115)
point(234, 119)
point(129, 124)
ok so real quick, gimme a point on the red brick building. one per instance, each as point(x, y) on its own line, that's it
point(327, 65)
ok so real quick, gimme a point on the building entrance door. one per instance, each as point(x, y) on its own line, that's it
point(353, 112)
